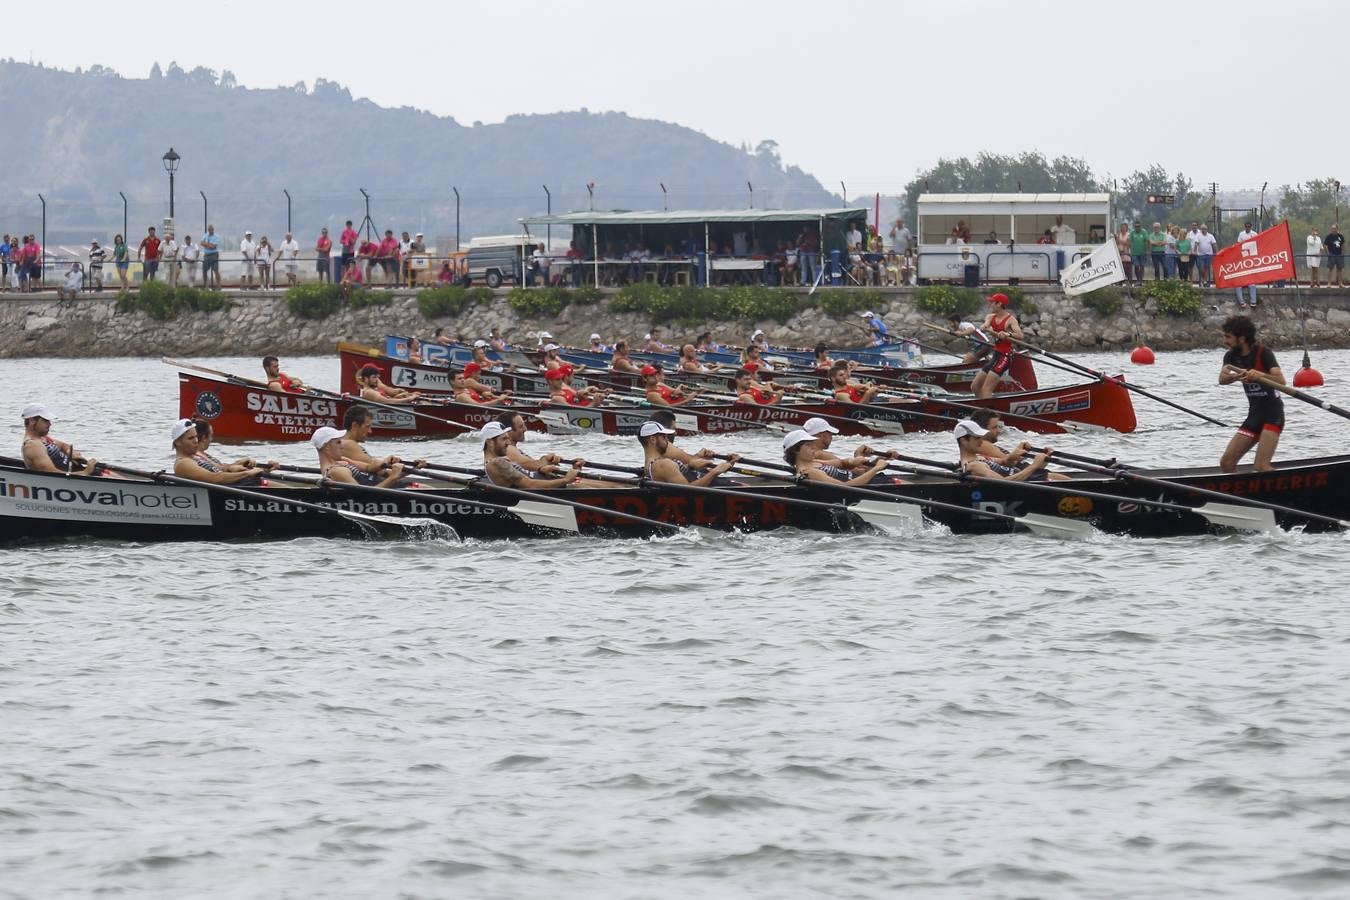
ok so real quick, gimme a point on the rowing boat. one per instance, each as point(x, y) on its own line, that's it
point(36, 506)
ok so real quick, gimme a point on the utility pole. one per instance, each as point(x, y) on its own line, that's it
point(204, 222)
point(1214, 207)
point(548, 209)
point(42, 257)
point(1261, 219)
point(665, 199)
point(845, 190)
point(752, 194)
point(590, 189)
point(124, 214)
point(457, 244)
point(288, 208)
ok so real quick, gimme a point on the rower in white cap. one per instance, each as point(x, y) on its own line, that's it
point(804, 450)
point(44, 453)
point(335, 467)
point(657, 466)
point(503, 472)
point(189, 463)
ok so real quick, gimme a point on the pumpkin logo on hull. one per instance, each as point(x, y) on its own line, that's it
point(1075, 506)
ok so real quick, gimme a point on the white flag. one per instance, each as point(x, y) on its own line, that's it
point(1096, 270)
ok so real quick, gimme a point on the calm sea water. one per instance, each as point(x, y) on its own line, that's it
point(783, 715)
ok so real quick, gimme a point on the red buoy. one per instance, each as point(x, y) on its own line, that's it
point(1142, 356)
point(1307, 376)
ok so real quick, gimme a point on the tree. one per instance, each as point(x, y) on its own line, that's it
point(227, 79)
point(175, 72)
point(202, 75)
point(1132, 197)
point(995, 173)
point(155, 73)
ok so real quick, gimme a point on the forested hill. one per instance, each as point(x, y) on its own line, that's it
point(79, 138)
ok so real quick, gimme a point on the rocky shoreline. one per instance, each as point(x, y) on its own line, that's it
point(259, 323)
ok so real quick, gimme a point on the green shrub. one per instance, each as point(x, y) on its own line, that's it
point(314, 301)
point(161, 302)
point(844, 303)
point(1103, 301)
point(442, 301)
point(1174, 298)
point(755, 301)
point(585, 295)
point(478, 295)
point(538, 303)
point(945, 299)
point(1018, 301)
point(690, 305)
point(364, 297)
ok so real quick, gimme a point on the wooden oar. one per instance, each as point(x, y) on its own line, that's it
point(408, 523)
point(1222, 514)
point(1125, 474)
point(1297, 394)
point(1121, 381)
point(1050, 526)
point(990, 344)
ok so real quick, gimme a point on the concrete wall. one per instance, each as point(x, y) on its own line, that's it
point(40, 325)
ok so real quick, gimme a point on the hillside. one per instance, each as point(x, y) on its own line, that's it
point(79, 138)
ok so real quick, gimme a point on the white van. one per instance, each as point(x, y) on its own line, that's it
point(495, 258)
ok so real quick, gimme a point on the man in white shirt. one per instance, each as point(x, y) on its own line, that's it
point(290, 258)
point(539, 263)
point(190, 254)
point(901, 237)
point(1204, 245)
point(249, 251)
point(168, 255)
point(1063, 234)
point(854, 235)
point(1246, 234)
point(1314, 257)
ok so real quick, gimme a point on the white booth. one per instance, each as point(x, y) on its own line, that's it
point(1002, 231)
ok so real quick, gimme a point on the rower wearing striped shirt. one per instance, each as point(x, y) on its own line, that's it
point(360, 422)
point(802, 451)
point(187, 463)
point(1008, 462)
point(502, 471)
point(42, 452)
point(657, 466)
point(335, 467)
point(212, 464)
point(971, 437)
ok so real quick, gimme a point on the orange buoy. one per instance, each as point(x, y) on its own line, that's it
point(1142, 356)
point(1307, 376)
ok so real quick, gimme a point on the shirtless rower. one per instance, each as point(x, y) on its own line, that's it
point(188, 464)
point(661, 394)
point(1008, 462)
point(748, 390)
point(211, 463)
point(278, 380)
point(751, 359)
point(846, 391)
point(561, 391)
point(980, 345)
point(499, 469)
point(657, 466)
point(1246, 361)
point(971, 436)
point(653, 343)
point(374, 388)
point(336, 467)
point(797, 447)
point(43, 453)
point(360, 422)
point(622, 362)
point(689, 362)
point(1001, 325)
point(469, 390)
point(552, 359)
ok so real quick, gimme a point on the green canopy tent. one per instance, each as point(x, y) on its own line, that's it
point(682, 230)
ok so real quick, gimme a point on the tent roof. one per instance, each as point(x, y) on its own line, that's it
point(694, 216)
point(1014, 198)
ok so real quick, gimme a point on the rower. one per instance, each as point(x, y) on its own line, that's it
point(657, 466)
point(44, 453)
point(374, 388)
point(561, 391)
point(188, 464)
point(211, 463)
point(823, 362)
point(497, 342)
point(360, 422)
point(876, 328)
point(278, 380)
point(661, 394)
point(980, 345)
point(621, 362)
point(699, 461)
point(415, 350)
point(598, 345)
point(1002, 324)
point(759, 340)
point(551, 358)
point(480, 358)
point(1012, 461)
point(748, 390)
point(499, 469)
point(546, 466)
point(823, 434)
point(442, 337)
point(846, 391)
point(971, 436)
point(470, 390)
point(470, 374)
point(336, 467)
point(750, 359)
point(543, 337)
point(653, 343)
point(689, 362)
point(705, 344)
point(1246, 361)
point(796, 450)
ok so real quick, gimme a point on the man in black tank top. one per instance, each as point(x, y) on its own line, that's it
point(42, 453)
point(1249, 362)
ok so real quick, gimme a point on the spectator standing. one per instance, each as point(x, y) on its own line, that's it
point(1205, 245)
point(263, 256)
point(1122, 240)
point(348, 242)
point(574, 259)
point(405, 267)
point(1192, 234)
point(190, 254)
point(808, 254)
point(148, 253)
point(210, 257)
point(1184, 254)
point(1157, 250)
point(1064, 234)
point(1246, 234)
point(388, 256)
point(418, 248)
point(1335, 244)
point(248, 251)
point(854, 237)
point(901, 238)
point(4, 264)
point(323, 248)
point(1170, 252)
point(96, 256)
point(168, 252)
point(120, 260)
point(540, 263)
point(1314, 256)
point(1138, 251)
point(33, 264)
point(366, 255)
point(290, 259)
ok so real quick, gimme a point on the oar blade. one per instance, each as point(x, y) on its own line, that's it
point(888, 515)
point(558, 423)
point(1054, 526)
point(884, 426)
point(1243, 518)
point(548, 515)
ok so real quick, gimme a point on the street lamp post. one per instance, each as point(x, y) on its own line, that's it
point(548, 209)
point(457, 244)
point(42, 256)
point(171, 160)
point(288, 208)
point(124, 214)
point(203, 193)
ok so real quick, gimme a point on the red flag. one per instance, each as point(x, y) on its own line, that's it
point(1265, 258)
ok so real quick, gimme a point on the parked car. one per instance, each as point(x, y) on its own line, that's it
point(494, 259)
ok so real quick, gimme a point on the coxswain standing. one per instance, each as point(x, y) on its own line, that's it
point(44, 453)
point(502, 471)
point(278, 380)
point(1250, 362)
point(1002, 324)
point(846, 391)
point(797, 447)
point(335, 467)
point(188, 464)
point(374, 388)
point(658, 466)
point(876, 329)
point(748, 390)
point(970, 440)
point(661, 394)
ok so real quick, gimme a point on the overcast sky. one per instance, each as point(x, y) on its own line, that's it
point(864, 100)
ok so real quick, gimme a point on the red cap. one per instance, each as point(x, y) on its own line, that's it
point(1000, 299)
point(554, 374)
point(649, 370)
point(472, 369)
point(751, 366)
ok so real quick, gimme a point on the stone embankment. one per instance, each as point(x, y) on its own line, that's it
point(260, 323)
